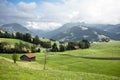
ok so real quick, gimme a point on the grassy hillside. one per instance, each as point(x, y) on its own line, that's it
point(100, 49)
point(10, 71)
point(111, 49)
point(13, 41)
point(61, 67)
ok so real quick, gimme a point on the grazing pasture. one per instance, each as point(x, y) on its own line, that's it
point(63, 67)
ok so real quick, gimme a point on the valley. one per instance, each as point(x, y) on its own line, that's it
point(59, 39)
point(61, 67)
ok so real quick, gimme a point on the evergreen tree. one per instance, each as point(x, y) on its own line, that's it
point(45, 44)
point(84, 44)
point(36, 40)
point(7, 35)
point(71, 45)
point(19, 35)
point(1, 35)
point(62, 48)
point(27, 37)
point(54, 48)
point(12, 35)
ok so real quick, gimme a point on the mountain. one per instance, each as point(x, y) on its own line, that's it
point(78, 31)
point(63, 28)
point(15, 27)
point(71, 31)
point(39, 32)
point(106, 27)
point(115, 29)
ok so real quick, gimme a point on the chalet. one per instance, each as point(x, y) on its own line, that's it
point(28, 57)
point(76, 47)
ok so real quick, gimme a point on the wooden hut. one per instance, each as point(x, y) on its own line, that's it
point(76, 47)
point(28, 57)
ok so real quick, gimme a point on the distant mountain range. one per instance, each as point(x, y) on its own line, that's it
point(71, 31)
point(14, 27)
point(78, 31)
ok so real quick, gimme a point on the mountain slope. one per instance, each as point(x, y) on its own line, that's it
point(14, 27)
point(63, 28)
point(107, 27)
point(38, 32)
point(77, 33)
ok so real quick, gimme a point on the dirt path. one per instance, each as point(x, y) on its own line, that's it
point(90, 57)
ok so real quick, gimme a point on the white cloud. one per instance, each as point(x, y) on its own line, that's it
point(50, 15)
point(91, 11)
point(27, 6)
point(43, 25)
point(10, 13)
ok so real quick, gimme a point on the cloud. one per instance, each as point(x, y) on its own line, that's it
point(27, 6)
point(50, 15)
point(43, 25)
point(90, 11)
point(10, 13)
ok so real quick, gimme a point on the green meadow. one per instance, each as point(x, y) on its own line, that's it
point(13, 41)
point(63, 67)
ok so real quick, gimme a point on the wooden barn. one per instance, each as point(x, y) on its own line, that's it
point(28, 57)
point(76, 47)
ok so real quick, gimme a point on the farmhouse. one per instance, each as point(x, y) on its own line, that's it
point(28, 57)
point(76, 47)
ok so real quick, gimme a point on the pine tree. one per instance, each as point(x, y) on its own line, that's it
point(54, 48)
point(36, 40)
point(62, 48)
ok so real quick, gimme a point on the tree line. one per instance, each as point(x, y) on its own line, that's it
point(83, 44)
point(25, 37)
point(18, 48)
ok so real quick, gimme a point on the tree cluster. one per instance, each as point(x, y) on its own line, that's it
point(18, 48)
point(105, 39)
point(25, 37)
point(84, 44)
point(81, 44)
point(45, 44)
point(6, 35)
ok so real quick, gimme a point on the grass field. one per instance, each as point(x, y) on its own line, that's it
point(61, 67)
point(13, 41)
point(10, 71)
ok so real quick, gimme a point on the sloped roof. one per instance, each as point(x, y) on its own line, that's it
point(30, 55)
point(76, 47)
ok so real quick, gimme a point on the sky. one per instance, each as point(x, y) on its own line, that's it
point(51, 14)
